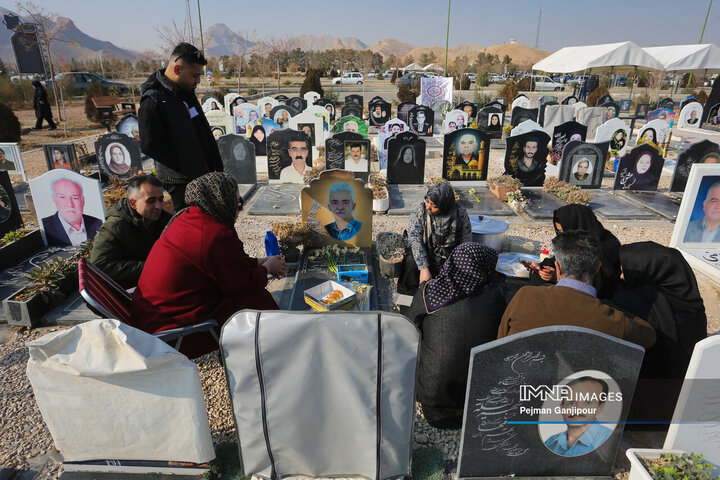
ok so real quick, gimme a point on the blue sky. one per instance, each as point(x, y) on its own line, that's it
point(418, 22)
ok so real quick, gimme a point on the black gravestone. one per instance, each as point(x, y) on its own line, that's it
point(520, 114)
point(521, 388)
point(403, 109)
point(583, 163)
point(10, 218)
point(490, 120)
point(238, 156)
point(406, 159)
point(613, 109)
point(639, 169)
point(466, 154)
point(258, 137)
point(604, 100)
point(379, 112)
point(356, 99)
point(236, 101)
point(277, 199)
point(117, 154)
point(278, 155)
point(324, 102)
point(656, 202)
point(350, 109)
point(282, 98)
point(355, 154)
point(405, 198)
point(482, 202)
point(691, 99)
point(209, 96)
point(641, 110)
point(541, 205)
point(704, 151)
point(501, 100)
point(421, 120)
point(566, 132)
point(297, 103)
point(541, 114)
point(571, 100)
point(713, 121)
point(547, 99)
point(532, 146)
point(666, 103)
point(495, 104)
point(335, 149)
point(471, 109)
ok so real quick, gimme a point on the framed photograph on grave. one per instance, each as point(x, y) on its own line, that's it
point(379, 112)
point(583, 163)
point(238, 156)
point(289, 156)
point(406, 159)
point(641, 110)
point(245, 114)
point(613, 110)
point(339, 207)
point(335, 148)
point(351, 124)
point(470, 109)
point(690, 115)
point(491, 120)
point(225, 122)
point(258, 138)
point(615, 131)
point(466, 154)
point(281, 115)
point(117, 155)
point(60, 155)
point(357, 154)
point(266, 104)
point(129, 126)
point(526, 157)
point(455, 120)
point(218, 132)
point(75, 198)
point(421, 120)
point(656, 131)
point(403, 109)
point(212, 104)
point(624, 105)
point(703, 151)
point(11, 159)
point(10, 218)
point(639, 169)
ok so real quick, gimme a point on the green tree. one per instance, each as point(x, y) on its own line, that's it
point(427, 58)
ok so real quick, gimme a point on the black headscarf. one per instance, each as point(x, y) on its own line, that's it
point(581, 217)
point(443, 196)
point(215, 194)
point(260, 146)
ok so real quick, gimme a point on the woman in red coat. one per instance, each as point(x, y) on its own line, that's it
point(198, 269)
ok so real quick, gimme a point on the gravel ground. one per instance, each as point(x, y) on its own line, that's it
point(25, 442)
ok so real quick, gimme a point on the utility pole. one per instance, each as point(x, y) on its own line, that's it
point(102, 68)
point(202, 44)
point(189, 19)
point(702, 34)
point(447, 37)
point(537, 35)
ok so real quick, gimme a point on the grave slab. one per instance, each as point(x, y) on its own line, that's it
point(489, 204)
point(656, 202)
point(20, 191)
point(72, 311)
point(246, 190)
point(278, 199)
point(404, 198)
point(124, 476)
point(610, 207)
point(432, 142)
point(541, 205)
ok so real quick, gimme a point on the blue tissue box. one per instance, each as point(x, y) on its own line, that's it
point(352, 273)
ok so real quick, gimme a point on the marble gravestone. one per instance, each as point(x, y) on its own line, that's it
point(328, 105)
point(639, 169)
point(439, 107)
point(583, 163)
point(351, 123)
point(455, 120)
point(689, 99)
point(545, 99)
point(297, 103)
point(406, 159)
point(234, 104)
point(526, 157)
point(577, 106)
point(246, 115)
point(656, 131)
point(526, 126)
point(557, 115)
point(387, 131)
point(403, 109)
point(571, 100)
point(229, 98)
point(663, 114)
point(117, 155)
point(615, 131)
point(470, 109)
point(356, 99)
point(666, 103)
point(289, 155)
point(520, 101)
point(238, 156)
point(282, 114)
point(520, 114)
point(312, 125)
point(514, 407)
point(466, 155)
point(690, 115)
point(421, 120)
point(129, 126)
point(351, 109)
point(311, 97)
point(567, 132)
point(703, 151)
point(266, 104)
point(542, 108)
point(592, 118)
point(211, 103)
point(220, 123)
point(10, 218)
point(207, 97)
point(491, 120)
point(379, 111)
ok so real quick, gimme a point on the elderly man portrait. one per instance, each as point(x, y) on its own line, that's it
point(466, 152)
point(705, 229)
point(341, 203)
point(69, 225)
point(131, 228)
point(298, 148)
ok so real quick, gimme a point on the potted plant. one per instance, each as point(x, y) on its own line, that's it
point(19, 244)
point(381, 197)
point(502, 185)
point(290, 236)
point(662, 464)
point(516, 200)
point(391, 252)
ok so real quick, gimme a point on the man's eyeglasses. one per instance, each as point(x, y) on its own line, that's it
point(194, 57)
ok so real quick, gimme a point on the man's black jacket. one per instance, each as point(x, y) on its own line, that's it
point(183, 148)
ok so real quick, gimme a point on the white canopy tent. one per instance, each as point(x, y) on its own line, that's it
point(704, 58)
point(432, 67)
point(412, 67)
point(618, 57)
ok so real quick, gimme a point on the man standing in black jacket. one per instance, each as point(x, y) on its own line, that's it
point(173, 128)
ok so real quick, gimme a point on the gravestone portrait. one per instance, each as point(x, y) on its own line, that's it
point(615, 131)
point(592, 118)
point(299, 104)
point(207, 97)
point(328, 105)
point(10, 218)
point(688, 99)
point(74, 198)
point(258, 137)
point(703, 151)
point(571, 100)
point(282, 114)
point(406, 159)
point(613, 110)
point(522, 402)
point(526, 157)
point(380, 111)
point(129, 126)
point(235, 103)
point(351, 123)
point(568, 132)
point(311, 97)
point(289, 156)
point(656, 131)
point(212, 103)
point(351, 109)
point(641, 110)
point(60, 155)
point(520, 101)
point(690, 115)
point(229, 99)
point(310, 124)
point(421, 120)
point(246, 115)
point(639, 169)
point(11, 159)
point(466, 154)
point(339, 207)
point(238, 156)
point(337, 146)
point(454, 120)
point(469, 108)
point(583, 163)
point(667, 103)
point(625, 105)
point(356, 154)
point(557, 115)
point(266, 104)
point(220, 123)
point(117, 154)
point(604, 100)
point(390, 129)
point(356, 99)
point(403, 109)
point(526, 126)
point(520, 114)
point(664, 114)
point(542, 109)
point(491, 120)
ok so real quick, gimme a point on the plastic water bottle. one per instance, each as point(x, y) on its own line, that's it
point(272, 247)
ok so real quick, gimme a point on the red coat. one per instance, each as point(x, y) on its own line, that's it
point(197, 270)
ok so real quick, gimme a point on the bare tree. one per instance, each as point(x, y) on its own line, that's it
point(247, 44)
point(173, 33)
point(274, 48)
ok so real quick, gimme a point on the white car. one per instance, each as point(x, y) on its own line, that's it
point(350, 78)
point(546, 84)
point(471, 77)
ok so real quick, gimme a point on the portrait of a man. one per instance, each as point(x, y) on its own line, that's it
point(356, 157)
point(526, 157)
point(527, 162)
point(117, 158)
point(693, 118)
point(5, 162)
point(69, 225)
point(351, 126)
point(467, 152)
point(267, 107)
point(298, 149)
point(582, 435)
point(705, 228)
point(582, 171)
point(341, 203)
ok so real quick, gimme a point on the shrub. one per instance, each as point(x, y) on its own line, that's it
point(509, 91)
point(312, 82)
point(593, 98)
point(331, 94)
point(701, 96)
point(394, 76)
point(482, 98)
point(94, 90)
point(251, 91)
point(9, 125)
point(406, 94)
point(526, 84)
point(462, 83)
point(482, 79)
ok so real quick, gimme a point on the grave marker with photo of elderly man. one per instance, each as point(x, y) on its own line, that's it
point(466, 154)
point(583, 163)
point(289, 156)
point(703, 151)
point(281, 115)
point(406, 159)
point(690, 115)
point(455, 120)
point(117, 154)
point(470, 109)
point(351, 124)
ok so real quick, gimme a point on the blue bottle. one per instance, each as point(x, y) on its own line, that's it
point(272, 247)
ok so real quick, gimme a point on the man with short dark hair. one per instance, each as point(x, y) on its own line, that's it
point(573, 300)
point(173, 127)
point(131, 228)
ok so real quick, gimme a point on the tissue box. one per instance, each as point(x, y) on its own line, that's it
point(352, 273)
point(315, 296)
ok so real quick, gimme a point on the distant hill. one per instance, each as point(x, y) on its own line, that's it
point(221, 40)
point(390, 46)
point(521, 54)
point(326, 42)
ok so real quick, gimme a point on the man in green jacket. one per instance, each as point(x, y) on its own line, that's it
point(130, 230)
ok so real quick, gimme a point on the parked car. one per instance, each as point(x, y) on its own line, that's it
point(350, 78)
point(82, 81)
point(621, 81)
point(371, 74)
point(546, 84)
point(495, 78)
point(413, 79)
point(472, 77)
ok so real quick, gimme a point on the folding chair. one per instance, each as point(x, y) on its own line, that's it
point(104, 296)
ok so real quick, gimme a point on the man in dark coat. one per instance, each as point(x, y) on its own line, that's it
point(173, 127)
point(42, 107)
point(132, 227)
